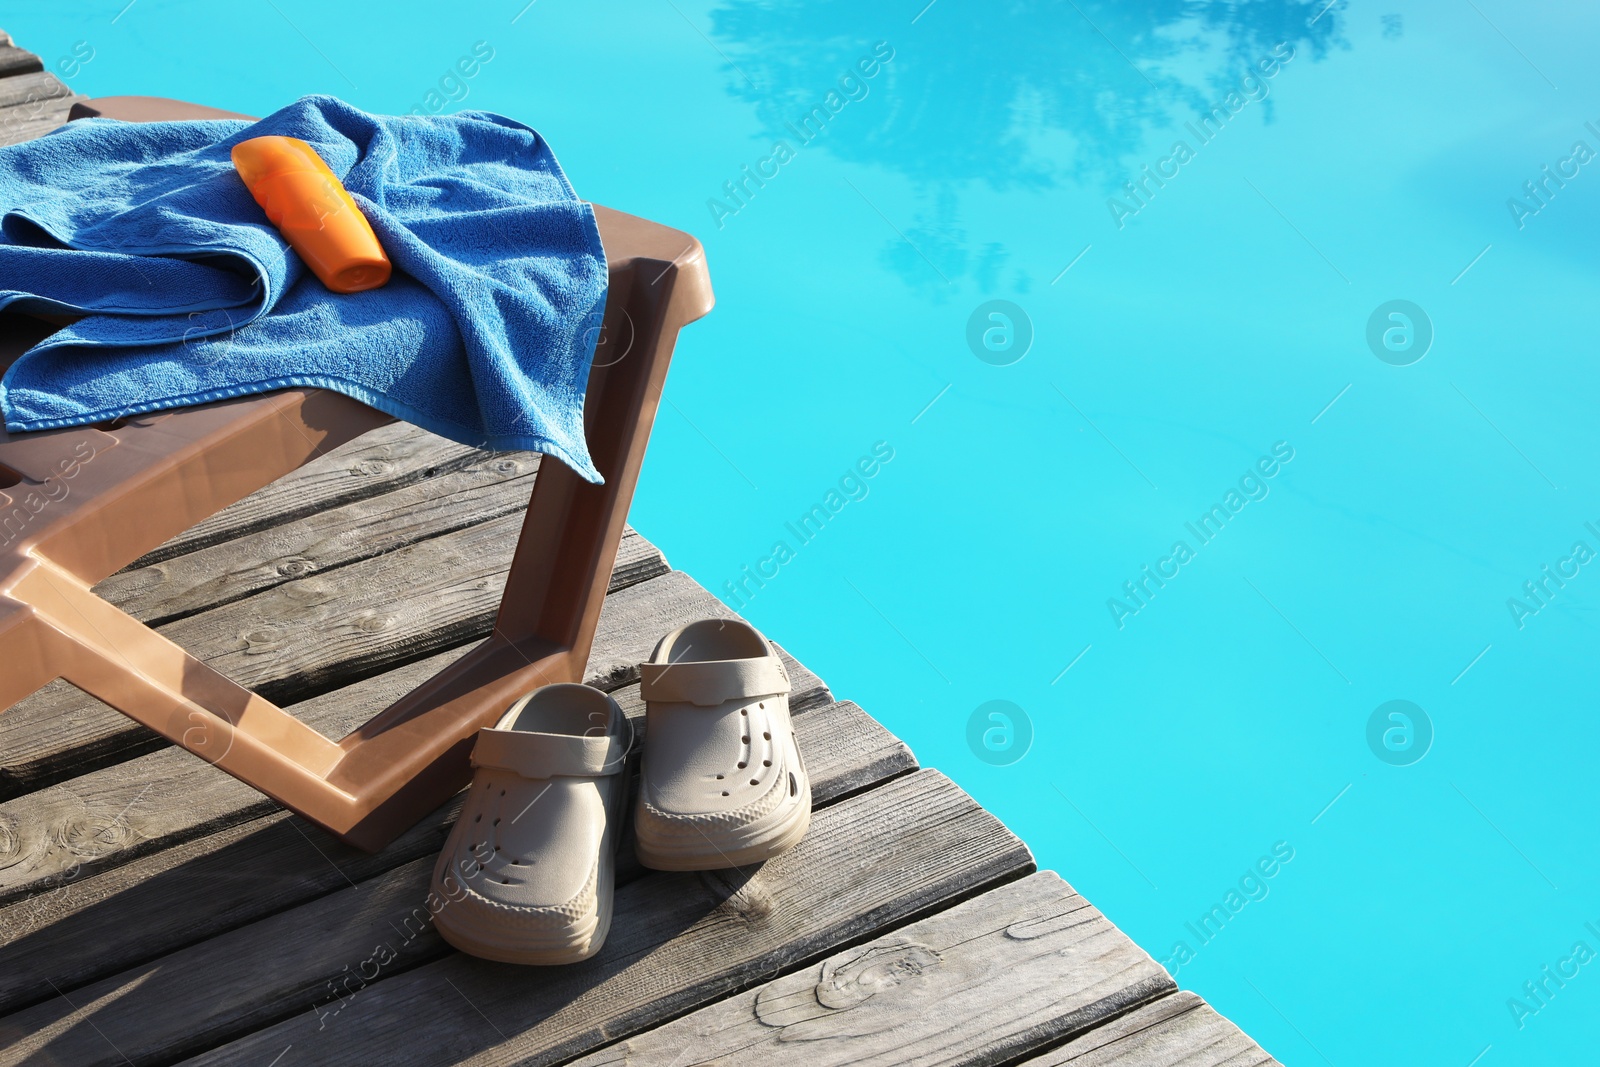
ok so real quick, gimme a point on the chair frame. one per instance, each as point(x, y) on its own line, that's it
point(78, 504)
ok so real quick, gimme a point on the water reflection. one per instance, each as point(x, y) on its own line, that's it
point(1028, 94)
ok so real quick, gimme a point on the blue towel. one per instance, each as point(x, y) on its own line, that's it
point(484, 334)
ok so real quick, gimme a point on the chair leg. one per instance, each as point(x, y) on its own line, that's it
point(570, 536)
point(30, 667)
point(115, 658)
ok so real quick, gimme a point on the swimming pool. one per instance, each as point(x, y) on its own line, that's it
point(1173, 421)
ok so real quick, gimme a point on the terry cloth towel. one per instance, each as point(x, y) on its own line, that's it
point(484, 333)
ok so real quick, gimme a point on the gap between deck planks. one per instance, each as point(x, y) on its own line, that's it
point(1177, 1031)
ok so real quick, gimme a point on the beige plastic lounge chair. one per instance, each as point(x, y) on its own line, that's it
point(78, 504)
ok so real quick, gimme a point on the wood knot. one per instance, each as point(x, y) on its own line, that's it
point(371, 468)
point(1045, 925)
point(295, 567)
point(848, 981)
point(616, 676)
point(372, 622)
point(144, 579)
point(87, 836)
point(741, 894)
point(310, 592)
point(845, 983)
point(11, 850)
point(262, 640)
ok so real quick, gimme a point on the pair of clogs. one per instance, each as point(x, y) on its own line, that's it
point(526, 875)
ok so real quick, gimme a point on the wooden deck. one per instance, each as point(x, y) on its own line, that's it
point(154, 910)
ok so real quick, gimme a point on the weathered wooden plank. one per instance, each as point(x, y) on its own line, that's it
point(26, 90)
point(63, 933)
point(14, 60)
point(35, 115)
point(82, 929)
point(1177, 1031)
point(678, 941)
point(238, 980)
point(1001, 975)
point(106, 817)
point(308, 635)
point(54, 1031)
point(110, 816)
point(846, 750)
point(489, 487)
point(31, 104)
point(379, 461)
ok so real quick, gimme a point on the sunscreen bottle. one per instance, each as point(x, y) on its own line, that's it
point(313, 212)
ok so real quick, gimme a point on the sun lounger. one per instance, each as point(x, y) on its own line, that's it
point(78, 504)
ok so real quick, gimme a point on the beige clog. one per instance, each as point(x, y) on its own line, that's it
point(722, 784)
point(526, 874)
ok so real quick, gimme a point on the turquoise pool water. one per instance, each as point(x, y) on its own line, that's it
point(1332, 346)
